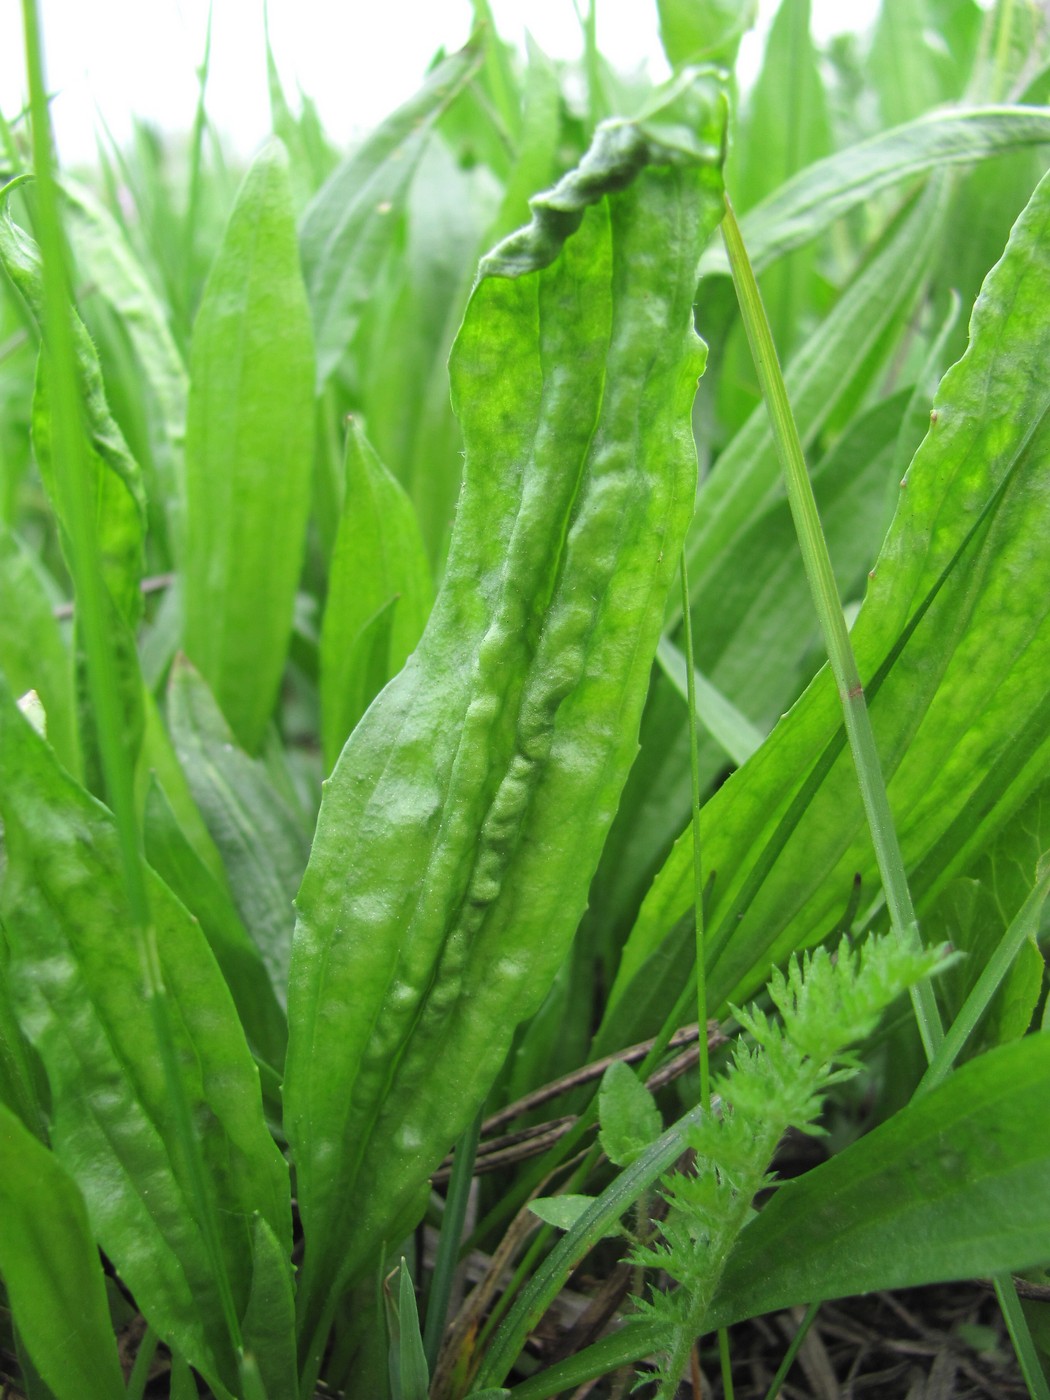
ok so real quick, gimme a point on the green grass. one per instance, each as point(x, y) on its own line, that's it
point(413, 730)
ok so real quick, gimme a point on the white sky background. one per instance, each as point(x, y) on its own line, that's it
point(358, 59)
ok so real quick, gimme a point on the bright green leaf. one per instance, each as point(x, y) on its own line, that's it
point(563, 1212)
point(378, 557)
point(249, 446)
point(269, 1319)
point(811, 202)
point(630, 1120)
point(346, 228)
point(961, 717)
point(77, 985)
point(459, 795)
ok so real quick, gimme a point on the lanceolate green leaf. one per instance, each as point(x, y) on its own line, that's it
point(733, 732)
point(822, 193)
point(451, 864)
point(33, 655)
point(170, 853)
point(963, 565)
point(413, 316)
point(346, 228)
point(52, 1272)
point(116, 484)
point(77, 984)
point(109, 266)
point(249, 446)
point(704, 33)
point(902, 65)
point(378, 558)
point(269, 1319)
point(262, 844)
point(954, 1186)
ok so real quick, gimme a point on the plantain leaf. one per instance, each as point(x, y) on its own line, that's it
point(108, 264)
point(954, 1186)
point(77, 985)
point(249, 447)
point(52, 1272)
point(116, 478)
point(707, 32)
point(346, 227)
point(33, 655)
point(961, 713)
point(209, 901)
point(378, 556)
point(269, 1319)
point(259, 837)
point(450, 866)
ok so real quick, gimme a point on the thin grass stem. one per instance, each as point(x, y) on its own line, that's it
point(143, 1360)
point(1024, 1347)
point(828, 605)
point(793, 1349)
point(449, 1241)
point(698, 869)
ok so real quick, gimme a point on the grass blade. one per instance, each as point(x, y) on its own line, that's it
point(833, 624)
point(808, 204)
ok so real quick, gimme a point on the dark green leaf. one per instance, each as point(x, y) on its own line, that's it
point(52, 1271)
point(955, 1186)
